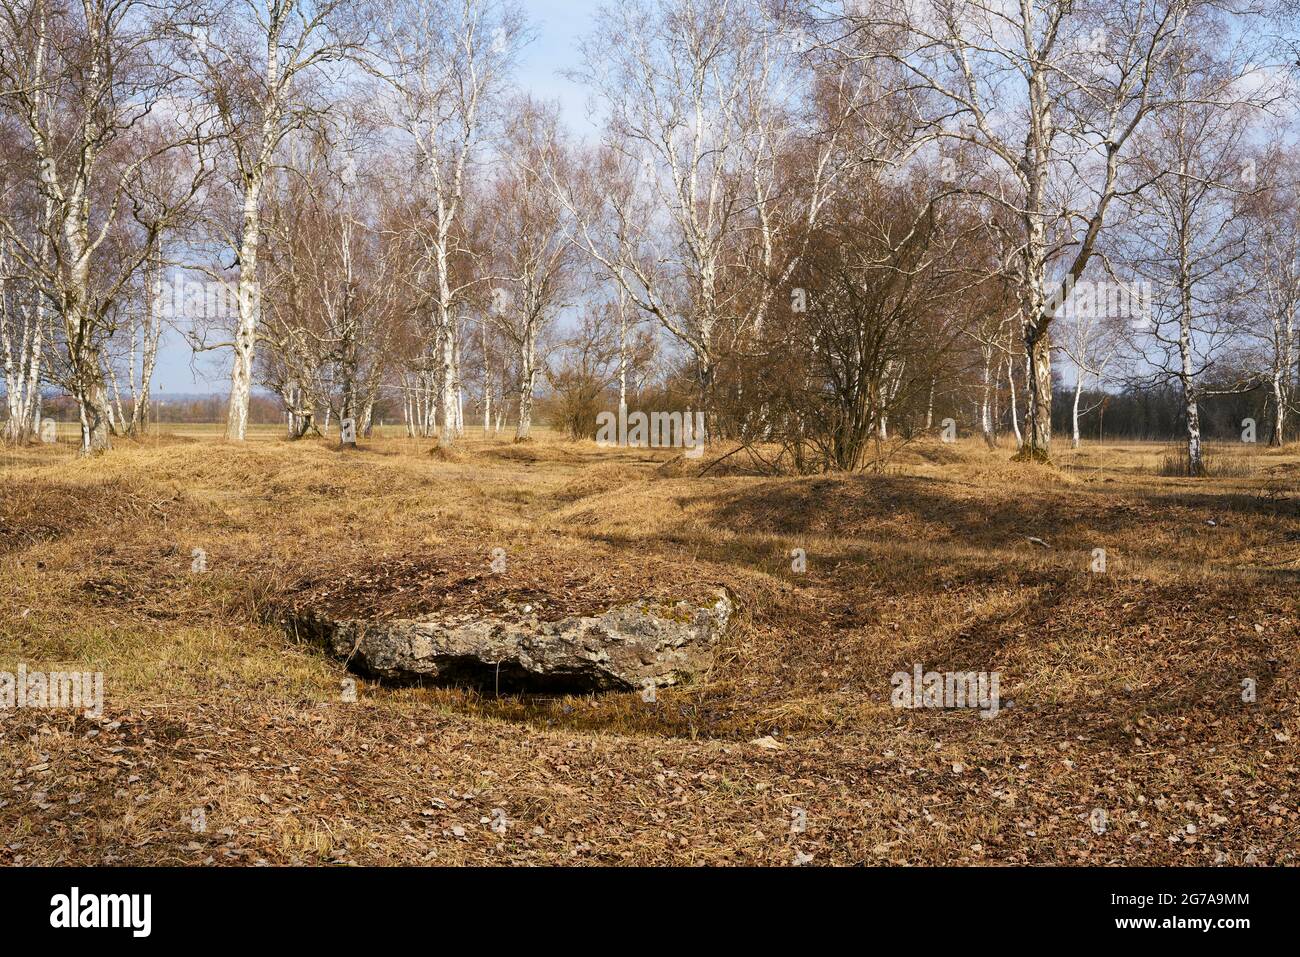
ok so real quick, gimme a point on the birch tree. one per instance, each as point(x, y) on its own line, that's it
point(533, 254)
point(693, 207)
point(23, 331)
point(259, 66)
point(1090, 342)
point(1050, 93)
point(332, 287)
point(444, 62)
point(86, 83)
point(1272, 273)
point(1187, 235)
point(145, 308)
point(990, 333)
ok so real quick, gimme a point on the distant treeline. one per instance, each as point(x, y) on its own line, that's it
point(191, 409)
point(1157, 413)
point(1153, 413)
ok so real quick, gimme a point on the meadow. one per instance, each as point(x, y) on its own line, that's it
point(1149, 700)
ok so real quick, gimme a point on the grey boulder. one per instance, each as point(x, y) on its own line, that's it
point(628, 647)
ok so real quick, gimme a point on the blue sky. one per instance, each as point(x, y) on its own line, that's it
point(558, 25)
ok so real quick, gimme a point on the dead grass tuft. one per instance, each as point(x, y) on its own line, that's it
point(1177, 463)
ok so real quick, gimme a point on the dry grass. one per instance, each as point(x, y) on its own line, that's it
point(1126, 685)
point(1176, 462)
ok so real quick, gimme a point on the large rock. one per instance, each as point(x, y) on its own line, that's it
point(628, 647)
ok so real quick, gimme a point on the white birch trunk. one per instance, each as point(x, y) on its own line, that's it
point(1015, 414)
point(527, 382)
point(1078, 392)
point(986, 411)
point(249, 308)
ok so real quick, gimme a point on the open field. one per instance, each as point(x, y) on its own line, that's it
point(1122, 691)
